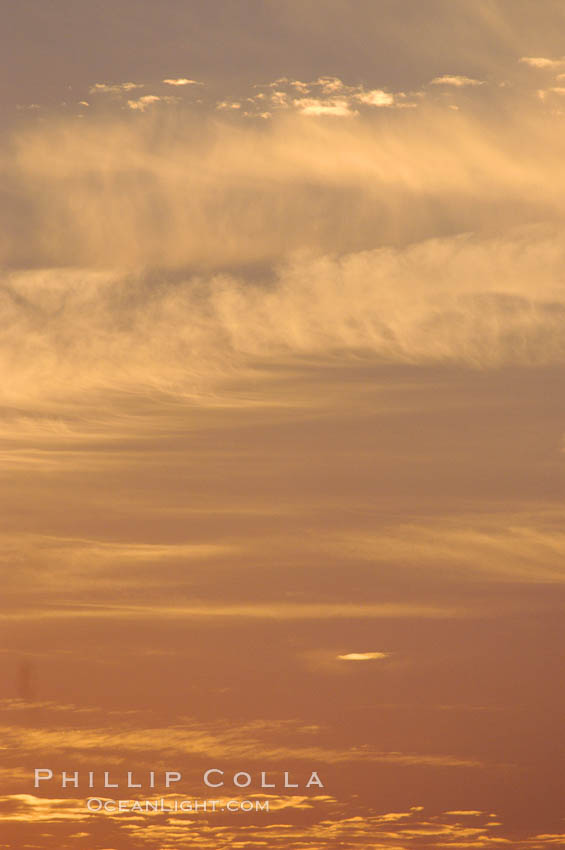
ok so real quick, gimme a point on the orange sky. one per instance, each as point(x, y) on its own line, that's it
point(282, 421)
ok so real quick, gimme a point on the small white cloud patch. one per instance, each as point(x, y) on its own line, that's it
point(375, 97)
point(148, 100)
point(114, 88)
point(542, 62)
point(181, 81)
point(456, 81)
point(228, 104)
point(363, 656)
point(333, 106)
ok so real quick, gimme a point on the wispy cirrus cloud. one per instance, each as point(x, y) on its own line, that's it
point(275, 744)
point(226, 612)
point(515, 548)
point(328, 821)
point(29, 809)
point(138, 336)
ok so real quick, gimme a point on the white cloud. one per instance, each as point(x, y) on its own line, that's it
point(331, 85)
point(314, 106)
point(228, 104)
point(363, 656)
point(114, 88)
point(143, 103)
point(456, 81)
point(468, 813)
point(328, 96)
point(28, 809)
point(375, 97)
point(279, 98)
point(303, 88)
point(181, 81)
point(542, 62)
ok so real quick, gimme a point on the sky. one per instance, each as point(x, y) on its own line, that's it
point(282, 421)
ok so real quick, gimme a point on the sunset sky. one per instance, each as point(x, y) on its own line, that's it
point(282, 427)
